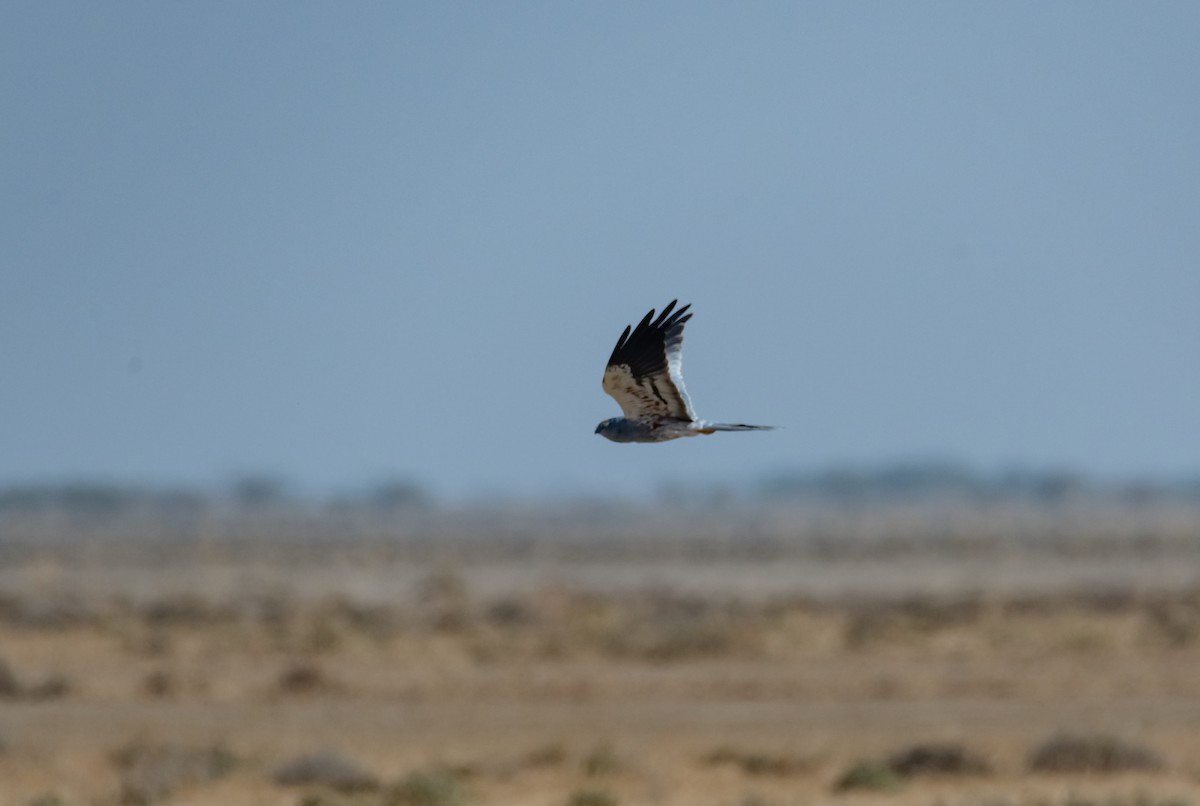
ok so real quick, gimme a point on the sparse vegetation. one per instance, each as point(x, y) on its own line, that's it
point(601, 759)
point(159, 684)
point(327, 769)
point(1093, 753)
point(304, 678)
point(592, 797)
point(758, 763)
point(47, 800)
point(53, 687)
point(552, 754)
point(435, 787)
point(1076, 799)
point(152, 773)
point(869, 774)
point(744, 683)
point(10, 687)
point(756, 800)
point(938, 760)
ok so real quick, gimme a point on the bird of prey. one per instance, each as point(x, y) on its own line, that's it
point(644, 376)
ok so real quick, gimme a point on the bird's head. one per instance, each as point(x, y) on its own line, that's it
point(618, 429)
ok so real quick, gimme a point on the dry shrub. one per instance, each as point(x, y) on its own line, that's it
point(1098, 753)
point(445, 601)
point(377, 622)
point(47, 800)
point(869, 774)
point(304, 679)
point(915, 617)
point(436, 787)
point(753, 763)
point(602, 759)
point(592, 797)
point(552, 754)
point(155, 642)
point(311, 799)
point(159, 684)
point(1075, 799)
point(151, 774)
point(274, 610)
point(60, 612)
point(661, 625)
point(937, 759)
point(1176, 621)
point(53, 687)
point(322, 634)
point(184, 610)
point(10, 687)
point(510, 612)
point(754, 800)
point(670, 640)
point(325, 769)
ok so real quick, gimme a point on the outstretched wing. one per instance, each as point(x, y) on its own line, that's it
point(644, 374)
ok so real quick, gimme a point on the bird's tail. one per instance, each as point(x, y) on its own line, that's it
point(709, 428)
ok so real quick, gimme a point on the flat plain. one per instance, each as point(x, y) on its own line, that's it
point(912, 662)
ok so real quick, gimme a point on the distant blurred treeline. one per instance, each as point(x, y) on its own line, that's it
point(924, 480)
point(245, 494)
point(920, 506)
point(918, 482)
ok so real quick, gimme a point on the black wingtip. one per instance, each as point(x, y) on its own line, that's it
point(620, 343)
point(641, 346)
point(662, 317)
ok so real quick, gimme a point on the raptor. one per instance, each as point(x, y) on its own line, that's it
point(644, 375)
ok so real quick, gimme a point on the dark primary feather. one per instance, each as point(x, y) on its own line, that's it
point(643, 374)
point(644, 350)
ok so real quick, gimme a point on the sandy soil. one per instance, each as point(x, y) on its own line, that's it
point(192, 678)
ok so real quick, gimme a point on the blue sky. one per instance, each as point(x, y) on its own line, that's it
point(344, 242)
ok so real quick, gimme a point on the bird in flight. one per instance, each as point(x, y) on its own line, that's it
point(644, 375)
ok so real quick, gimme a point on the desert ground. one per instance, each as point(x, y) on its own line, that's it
point(926, 663)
